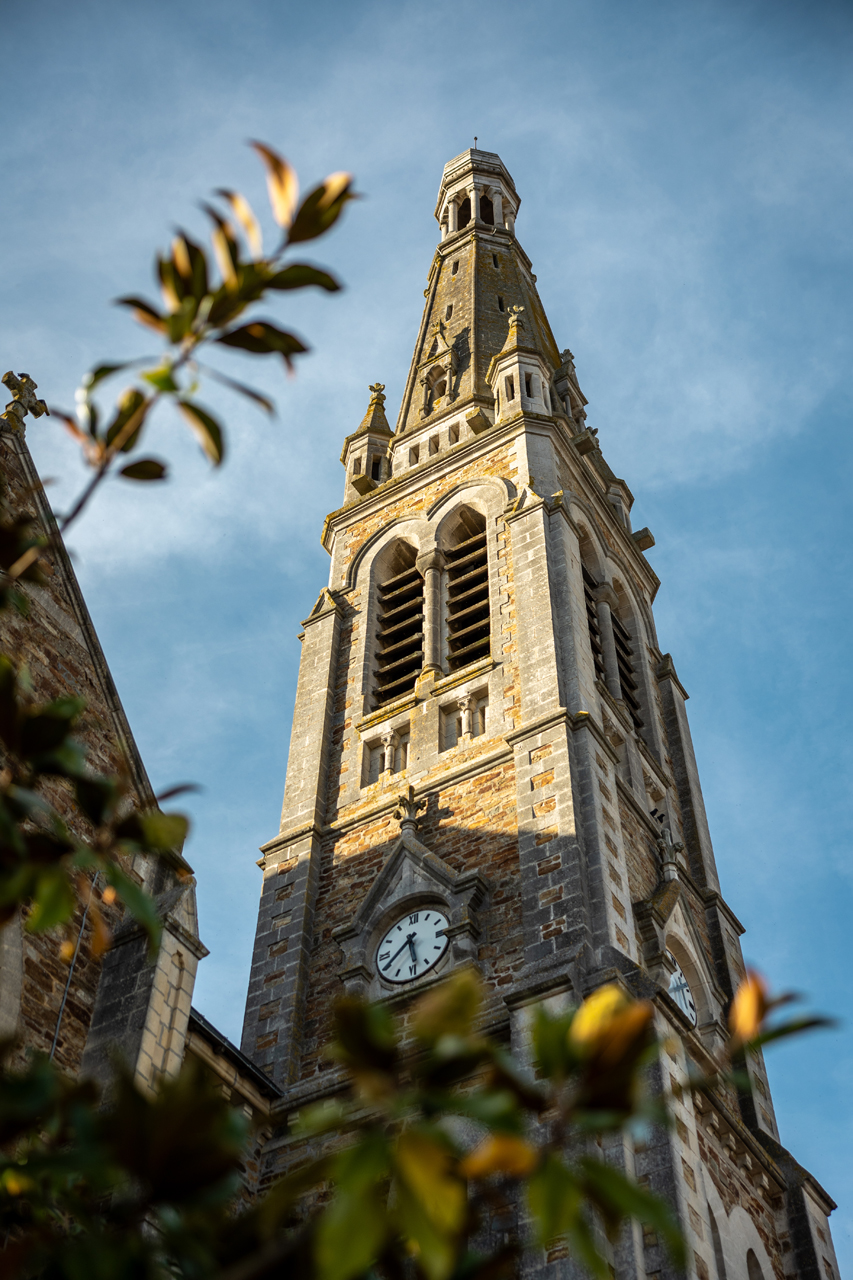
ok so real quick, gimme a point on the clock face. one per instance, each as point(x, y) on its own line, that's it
point(680, 991)
point(412, 945)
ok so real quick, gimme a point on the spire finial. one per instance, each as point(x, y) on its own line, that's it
point(376, 396)
point(475, 142)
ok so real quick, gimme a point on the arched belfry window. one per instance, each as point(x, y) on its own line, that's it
point(464, 215)
point(467, 585)
point(487, 210)
point(400, 625)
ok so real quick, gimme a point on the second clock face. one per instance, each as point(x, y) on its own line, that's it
point(412, 945)
point(680, 991)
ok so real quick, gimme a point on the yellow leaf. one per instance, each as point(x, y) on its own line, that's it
point(450, 1009)
point(101, 936)
point(500, 1153)
point(244, 214)
point(749, 1007)
point(109, 896)
point(333, 186)
point(66, 951)
point(608, 1024)
point(425, 1166)
point(282, 184)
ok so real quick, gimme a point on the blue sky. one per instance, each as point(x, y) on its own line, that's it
point(686, 178)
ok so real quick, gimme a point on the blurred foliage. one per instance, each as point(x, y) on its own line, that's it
point(439, 1159)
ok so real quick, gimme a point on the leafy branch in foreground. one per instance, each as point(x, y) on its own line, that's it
point(48, 855)
point(436, 1144)
point(199, 309)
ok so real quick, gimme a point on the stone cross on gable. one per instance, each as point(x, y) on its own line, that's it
point(24, 401)
point(408, 809)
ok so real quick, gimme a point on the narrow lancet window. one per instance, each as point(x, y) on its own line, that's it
point(400, 634)
point(627, 679)
point(589, 585)
point(468, 636)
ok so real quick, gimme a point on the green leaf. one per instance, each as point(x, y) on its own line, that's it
point(145, 469)
point(133, 406)
point(321, 208)
point(144, 313)
point(262, 338)
point(554, 1199)
point(96, 796)
point(301, 274)
point(250, 392)
point(140, 905)
point(46, 728)
point(161, 378)
point(164, 832)
point(190, 262)
point(206, 428)
point(53, 900)
point(553, 1053)
point(352, 1229)
point(619, 1197)
point(102, 371)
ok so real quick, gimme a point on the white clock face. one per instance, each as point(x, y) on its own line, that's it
point(412, 945)
point(680, 991)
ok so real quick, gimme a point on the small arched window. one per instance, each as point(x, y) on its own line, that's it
point(400, 629)
point(753, 1266)
point(468, 637)
point(464, 215)
point(487, 210)
point(627, 676)
point(718, 1246)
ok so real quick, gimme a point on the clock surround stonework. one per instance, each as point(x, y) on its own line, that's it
point(486, 726)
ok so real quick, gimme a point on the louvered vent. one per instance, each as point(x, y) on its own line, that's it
point(468, 594)
point(400, 638)
point(589, 585)
point(627, 680)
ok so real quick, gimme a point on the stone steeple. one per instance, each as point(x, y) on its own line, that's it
point(486, 727)
point(479, 273)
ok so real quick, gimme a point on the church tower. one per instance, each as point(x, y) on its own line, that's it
point(490, 753)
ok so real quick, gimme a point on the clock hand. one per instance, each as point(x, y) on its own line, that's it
point(407, 943)
point(412, 948)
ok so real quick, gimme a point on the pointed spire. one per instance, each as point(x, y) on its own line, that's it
point(374, 421)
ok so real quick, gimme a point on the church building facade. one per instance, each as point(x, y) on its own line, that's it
point(490, 763)
point(489, 742)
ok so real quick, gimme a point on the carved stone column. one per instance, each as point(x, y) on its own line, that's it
point(475, 203)
point(430, 564)
point(452, 217)
point(467, 704)
point(605, 600)
point(390, 742)
point(498, 203)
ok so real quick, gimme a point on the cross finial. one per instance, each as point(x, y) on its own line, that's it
point(376, 396)
point(475, 142)
point(24, 401)
point(515, 314)
point(408, 809)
